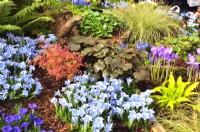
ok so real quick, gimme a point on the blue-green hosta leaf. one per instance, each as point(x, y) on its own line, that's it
point(190, 89)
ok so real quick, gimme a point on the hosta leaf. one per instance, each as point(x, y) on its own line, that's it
point(190, 89)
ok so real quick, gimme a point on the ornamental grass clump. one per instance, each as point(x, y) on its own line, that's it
point(16, 79)
point(92, 106)
point(146, 22)
point(60, 62)
point(22, 121)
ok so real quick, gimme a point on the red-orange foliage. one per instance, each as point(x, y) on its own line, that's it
point(60, 61)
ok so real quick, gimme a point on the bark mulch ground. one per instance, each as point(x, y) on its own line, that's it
point(46, 109)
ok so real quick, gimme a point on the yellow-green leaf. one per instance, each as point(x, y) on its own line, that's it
point(190, 89)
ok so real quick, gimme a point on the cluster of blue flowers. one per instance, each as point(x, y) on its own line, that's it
point(22, 121)
point(120, 4)
point(143, 45)
point(16, 79)
point(81, 2)
point(92, 106)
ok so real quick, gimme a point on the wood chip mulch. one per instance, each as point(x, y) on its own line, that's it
point(46, 109)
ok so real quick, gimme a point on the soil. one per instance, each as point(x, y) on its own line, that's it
point(46, 109)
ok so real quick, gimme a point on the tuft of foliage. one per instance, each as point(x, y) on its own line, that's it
point(182, 44)
point(108, 59)
point(5, 10)
point(99, 24)
point(174, 93)
point(183, 119)
point(146, 22)
point(60, 62)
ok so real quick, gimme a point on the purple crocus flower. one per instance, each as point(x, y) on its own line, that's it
point(198, 51)
point(23, 111)
point(168, 51)
point(154, 51)
point(6, 129)
point(174, 56)
point(1, 112)
point(161, 51)
point(192, 60)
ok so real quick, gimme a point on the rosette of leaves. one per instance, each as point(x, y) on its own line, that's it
point(172, 93)
point(181, 44)
point(113, 60)
point(99, 24)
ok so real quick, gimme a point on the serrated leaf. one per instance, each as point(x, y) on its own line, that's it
point(183, 99)
point(171, 104)
point(190, 89)
point(171, 81)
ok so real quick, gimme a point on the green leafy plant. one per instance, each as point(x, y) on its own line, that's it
point(106, 58)
point(173, 93)
point(182, 44)
point(113, 60)
point(5, 11)
point(60, 62)
point(146, 22)
point(99, 24)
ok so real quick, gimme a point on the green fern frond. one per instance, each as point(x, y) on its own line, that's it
point(29, 9)
point(39, 20)
point(5, 10)
point(4, 28)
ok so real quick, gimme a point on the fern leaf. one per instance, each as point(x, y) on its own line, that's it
point(4, 28)
point(5, 10)
point(29, 9)
point(38, 20)
point(190, 89)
